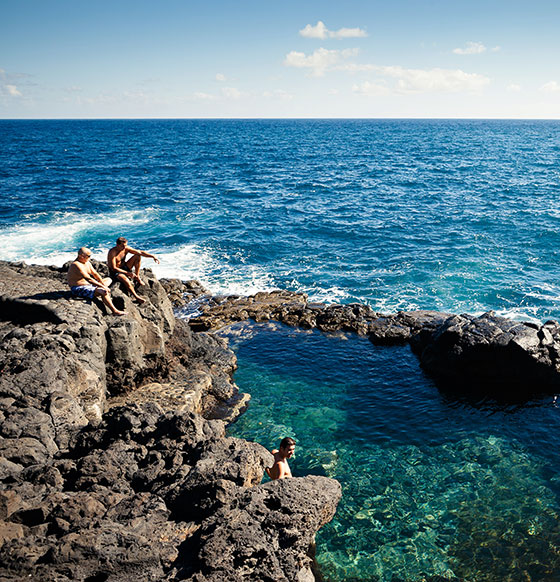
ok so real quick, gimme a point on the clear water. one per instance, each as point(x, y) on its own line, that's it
point(461, 216)
point(432, 484)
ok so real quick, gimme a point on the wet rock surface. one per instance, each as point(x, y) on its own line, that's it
point(114, 464)
point(487, 353)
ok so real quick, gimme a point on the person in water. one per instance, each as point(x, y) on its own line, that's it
point(281, 469)
point(86, 282)
point(127, 271)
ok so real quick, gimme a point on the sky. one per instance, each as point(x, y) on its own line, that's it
point(289, 59)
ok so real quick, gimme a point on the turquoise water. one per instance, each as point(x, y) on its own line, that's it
point(454, 215)
point(432, 484)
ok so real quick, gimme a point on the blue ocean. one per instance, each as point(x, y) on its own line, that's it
point(454, 215)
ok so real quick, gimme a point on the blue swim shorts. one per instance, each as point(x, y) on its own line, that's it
point(85, 291)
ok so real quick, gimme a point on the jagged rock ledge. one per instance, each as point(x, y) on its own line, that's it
point(483, 354)
point(114, 462)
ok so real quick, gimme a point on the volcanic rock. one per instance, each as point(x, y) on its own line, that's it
point(487, 353)
point(114, 462)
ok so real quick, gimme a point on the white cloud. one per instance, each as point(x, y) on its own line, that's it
point(550, 87)
point(231, 93)
point(405, 80)
point(370, 89)
point(278, 94)
point(408, 81)
point(471, 48)
point(513, 88)
point(319, 61)
point(11, 84)
point(317, 31)
point(204, 96)
point(225, 93)
point(13, 91)
point(220, 77)
point(322, 32)
point(434, 80)
point(358, 67)
point(7, 88)
point(348, 33)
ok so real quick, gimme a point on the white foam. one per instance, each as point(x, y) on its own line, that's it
point(517, 314)
point(330, 295)
point(56, 241)
point(193, 262)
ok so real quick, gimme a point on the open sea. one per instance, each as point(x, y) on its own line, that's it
point(452, 215)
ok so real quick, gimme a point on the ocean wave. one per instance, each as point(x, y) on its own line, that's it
point(331, 294)
point(54, 239)
point(517, 314)
point(191, 261)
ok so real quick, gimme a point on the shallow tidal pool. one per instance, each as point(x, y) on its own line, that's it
point(433, 483)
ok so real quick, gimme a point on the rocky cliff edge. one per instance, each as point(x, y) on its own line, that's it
point(114, 462)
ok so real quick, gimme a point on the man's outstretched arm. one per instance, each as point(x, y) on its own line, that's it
point(142, 254)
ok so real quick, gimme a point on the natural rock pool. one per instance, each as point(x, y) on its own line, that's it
point(433, 483)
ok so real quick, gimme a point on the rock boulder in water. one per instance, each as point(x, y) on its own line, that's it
point(487, 354)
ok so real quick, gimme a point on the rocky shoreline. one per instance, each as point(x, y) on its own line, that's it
point(114, 461)
point(485, 353)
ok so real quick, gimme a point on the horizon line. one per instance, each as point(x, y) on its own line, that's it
point(278, 118)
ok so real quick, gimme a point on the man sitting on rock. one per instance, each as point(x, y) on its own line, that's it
point(127, 271)
point(281, 469)
point(86, 282)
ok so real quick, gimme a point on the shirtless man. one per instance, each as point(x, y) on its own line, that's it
point(86, 282)
point(127, 271)
point(281, 469)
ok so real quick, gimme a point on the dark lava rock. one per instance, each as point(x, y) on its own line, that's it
point(494, 354)
point(486, 354)
point(114, 464)
point(150, 495)
point(261, 538)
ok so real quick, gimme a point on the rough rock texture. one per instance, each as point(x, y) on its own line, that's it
point(114, 464)
point(491, 352)
point(108, 471)
point(260, 538)
point(150, 495)
point(485, 353)
point(181, 292)
point(61, 358)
